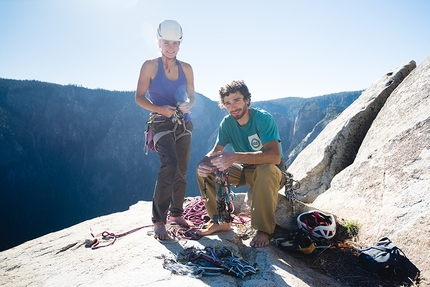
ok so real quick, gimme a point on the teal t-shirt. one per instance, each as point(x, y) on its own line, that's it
point(260, 129)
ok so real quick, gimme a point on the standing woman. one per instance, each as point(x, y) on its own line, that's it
point(166, 88)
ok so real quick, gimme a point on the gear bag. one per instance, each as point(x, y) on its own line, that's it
point(149, 140)
point(388, 261)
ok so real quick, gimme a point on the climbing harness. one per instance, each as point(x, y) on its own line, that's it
point(290, 186)
point(224, 198)
point(151, 139)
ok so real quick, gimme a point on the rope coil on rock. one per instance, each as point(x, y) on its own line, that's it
point(194, 212)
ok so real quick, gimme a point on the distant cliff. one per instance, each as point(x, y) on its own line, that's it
point(70, 153)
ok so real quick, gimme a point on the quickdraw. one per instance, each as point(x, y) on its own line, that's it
point(224, 198)
point(178, 116)
point(216, 260)
point(181, 269)
point(289, 189)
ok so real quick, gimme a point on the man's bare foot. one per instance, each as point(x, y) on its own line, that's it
point(160, 231)
point(214, 228)
point(261, 239)
point(180, 221)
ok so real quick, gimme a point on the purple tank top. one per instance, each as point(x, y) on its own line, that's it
point(163, 91)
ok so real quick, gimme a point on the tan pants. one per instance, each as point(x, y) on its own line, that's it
point(265, 180)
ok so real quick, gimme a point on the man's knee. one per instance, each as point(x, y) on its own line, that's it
point(268, 171)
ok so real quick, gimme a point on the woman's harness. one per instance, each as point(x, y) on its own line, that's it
point(151, 139)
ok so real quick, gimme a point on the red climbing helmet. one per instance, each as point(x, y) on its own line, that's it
point(317, 224)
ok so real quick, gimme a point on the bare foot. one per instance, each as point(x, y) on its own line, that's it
point(160, 231)
point(214, 228)
point(180, 221)
point(261, 239)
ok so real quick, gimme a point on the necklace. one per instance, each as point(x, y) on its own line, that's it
point(167, 64)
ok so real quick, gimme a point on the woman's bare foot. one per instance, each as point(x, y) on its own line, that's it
point(160, 231)
point(261, 239)
point(180, 221)
point(214, 228)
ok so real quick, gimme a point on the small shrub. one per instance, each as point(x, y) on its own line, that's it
point(352, 228)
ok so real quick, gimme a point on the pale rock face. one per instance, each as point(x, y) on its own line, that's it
point(336, 146)
point(387, 187)
point(136, 259)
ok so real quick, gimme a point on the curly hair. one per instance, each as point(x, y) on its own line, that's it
point(233, 87)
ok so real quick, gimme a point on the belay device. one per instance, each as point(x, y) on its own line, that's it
point(224, 198)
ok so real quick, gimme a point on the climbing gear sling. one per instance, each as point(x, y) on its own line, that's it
point(290, 185)
point(224, 198)
point(216, 260)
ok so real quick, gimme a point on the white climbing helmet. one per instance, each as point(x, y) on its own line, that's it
point(169, 30)
point(317, 224)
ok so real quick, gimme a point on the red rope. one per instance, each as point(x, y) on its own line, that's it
point(241, 218)
point(108, 235)
point(194, 212)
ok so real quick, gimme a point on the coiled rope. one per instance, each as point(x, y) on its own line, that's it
point(194, 212)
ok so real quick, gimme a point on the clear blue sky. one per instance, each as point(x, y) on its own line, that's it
point(279, 48)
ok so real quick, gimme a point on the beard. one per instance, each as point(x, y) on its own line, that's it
point(240, 115)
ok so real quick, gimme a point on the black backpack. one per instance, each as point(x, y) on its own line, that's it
point(388, 261)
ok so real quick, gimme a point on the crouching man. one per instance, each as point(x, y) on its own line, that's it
point(253, 135)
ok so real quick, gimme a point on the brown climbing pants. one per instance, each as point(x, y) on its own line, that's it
point(265, 180)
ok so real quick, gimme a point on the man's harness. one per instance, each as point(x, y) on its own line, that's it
point(225, 197)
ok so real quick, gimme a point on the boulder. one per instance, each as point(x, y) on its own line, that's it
point(336, 146)
point(386, 190)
